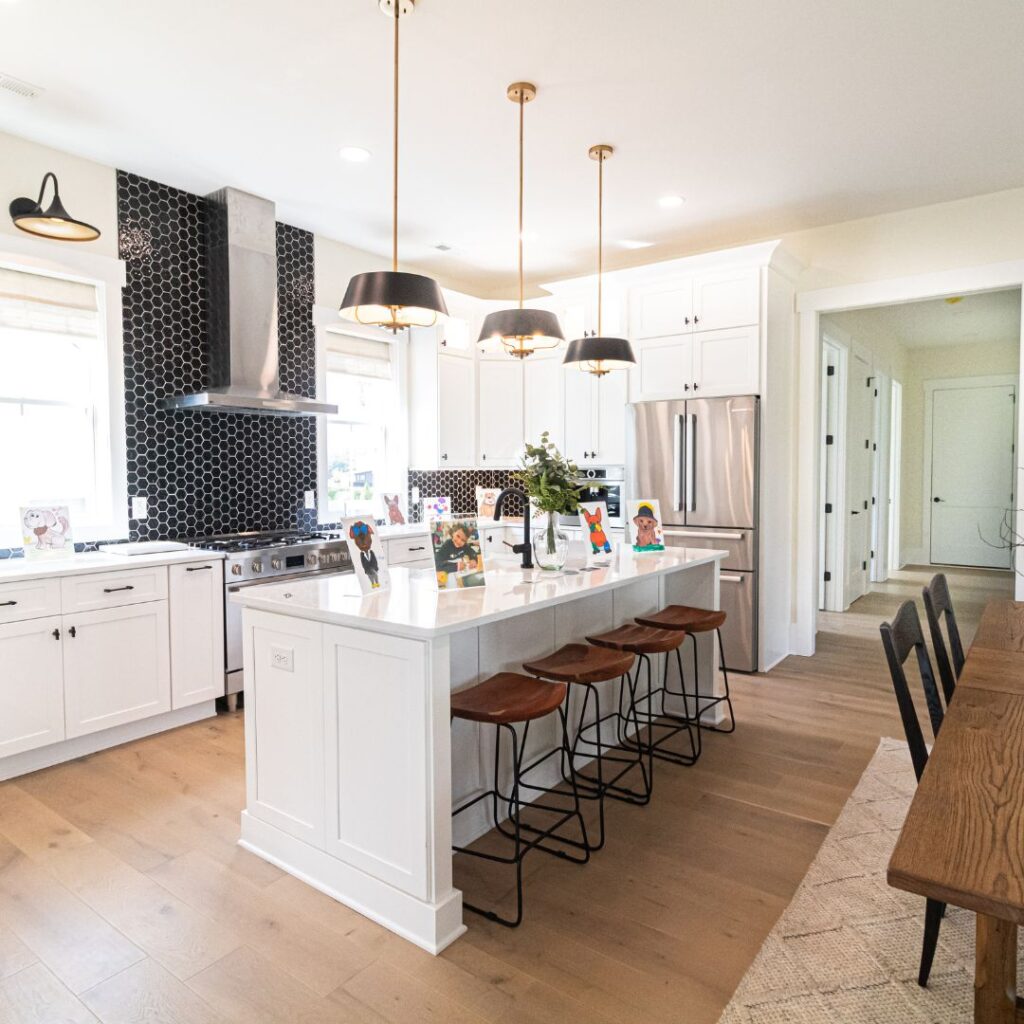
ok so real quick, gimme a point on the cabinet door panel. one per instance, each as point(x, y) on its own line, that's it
point(664, 368)
point(727, 362)
point(727, 299)
point(543, 400)
point(455, 412)
point(501, 412)
point(284, 724)
point(116, 666)
point(611, 418)
point(579, 415)
point(660, 310)
point(197, 632)
point(31, 685)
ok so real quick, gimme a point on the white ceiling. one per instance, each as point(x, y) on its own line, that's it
point(768, 117)
point(992, 317)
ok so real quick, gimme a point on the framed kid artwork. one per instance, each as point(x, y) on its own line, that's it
point(458, 553)
point(436, 507)
point(645, 519)
point(46, 531)
point(393, 510)
point(367, 556)
point(486, 500)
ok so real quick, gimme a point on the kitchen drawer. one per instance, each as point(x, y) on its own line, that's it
point(113, 589)
point(406, 550)
point(739, 544)
point(29, 599)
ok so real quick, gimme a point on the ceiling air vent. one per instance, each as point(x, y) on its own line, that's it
point(11, 84)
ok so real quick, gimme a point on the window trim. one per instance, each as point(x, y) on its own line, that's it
point(324, 318)
point(108, 275)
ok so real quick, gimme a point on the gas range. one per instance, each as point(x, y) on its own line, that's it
point(259, 557)
point(273, 557)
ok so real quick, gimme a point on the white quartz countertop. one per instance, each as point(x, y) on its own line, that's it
point(14, 569)
point(413, 607)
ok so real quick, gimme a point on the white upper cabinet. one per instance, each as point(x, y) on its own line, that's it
point(501, 428)
point(656, 311)
point(726, 362)
point(543, 408)
point(454, 412)
point(579, 416)
point(31, 685)
point(197, 632)
point(595, 418)
point(453, 337)
point(727, 298)
point(611, 418)
point(664, 368)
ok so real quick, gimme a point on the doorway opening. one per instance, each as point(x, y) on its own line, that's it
point(917, 450)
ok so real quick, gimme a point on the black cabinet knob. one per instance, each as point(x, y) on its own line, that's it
point(695, 385)
point(936, 499)
point(56, 634)
point(686, 387)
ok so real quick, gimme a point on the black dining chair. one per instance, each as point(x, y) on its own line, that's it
point(937, 603)
point(899, 638)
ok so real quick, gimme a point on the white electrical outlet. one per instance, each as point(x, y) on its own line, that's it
point(415, 495)
point(282, 658)
point(310, 499)
point(140, 507)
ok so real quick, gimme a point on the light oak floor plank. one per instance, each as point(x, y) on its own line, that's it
point(35, 996)
point(659, 927)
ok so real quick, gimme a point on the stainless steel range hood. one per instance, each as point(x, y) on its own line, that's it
point(241, 252)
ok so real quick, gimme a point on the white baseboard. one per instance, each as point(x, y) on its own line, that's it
point(431, 926)
point(67, 750)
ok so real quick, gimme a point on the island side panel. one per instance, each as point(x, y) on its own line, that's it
point(380, 736)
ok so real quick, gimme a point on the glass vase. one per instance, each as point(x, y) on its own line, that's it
point(550, 545)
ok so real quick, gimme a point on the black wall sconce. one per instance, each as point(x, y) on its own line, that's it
point(54, 222)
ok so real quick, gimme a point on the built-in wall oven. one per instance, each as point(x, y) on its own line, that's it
point(602, 483)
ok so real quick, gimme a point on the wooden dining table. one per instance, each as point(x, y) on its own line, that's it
point(963, 840)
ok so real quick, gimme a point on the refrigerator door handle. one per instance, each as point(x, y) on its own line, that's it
point(677, 454)
point(691, 462)
point(729, 578)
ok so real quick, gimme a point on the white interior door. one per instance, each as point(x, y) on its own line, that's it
point(972, 474)
point(860, 424)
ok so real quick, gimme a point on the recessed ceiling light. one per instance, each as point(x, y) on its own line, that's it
point(354, 154)
point(670, 202)
point(632, 243)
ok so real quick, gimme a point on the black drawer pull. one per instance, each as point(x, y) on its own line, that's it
point(7, 604)
point(420, 548)
point(114, 590)
point(197, 568)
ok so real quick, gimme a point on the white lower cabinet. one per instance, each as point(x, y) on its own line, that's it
point(284, 725)
point(370, 677)
point(197, 632)
point(116, 666)
point(31, 685)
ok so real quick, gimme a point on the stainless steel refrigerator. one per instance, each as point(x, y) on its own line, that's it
point(699, 459)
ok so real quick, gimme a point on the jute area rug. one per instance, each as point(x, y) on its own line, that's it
point(848, 947)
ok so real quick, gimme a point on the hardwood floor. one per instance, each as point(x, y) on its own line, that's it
point(124, 899)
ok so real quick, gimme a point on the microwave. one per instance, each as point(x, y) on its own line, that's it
point(602, 483)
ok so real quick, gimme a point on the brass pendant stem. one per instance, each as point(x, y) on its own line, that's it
point(394, 169)
point(522, 105)
point(600, 236)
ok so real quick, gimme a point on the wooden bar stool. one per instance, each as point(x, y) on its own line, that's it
point(692, 621)
point(584, 665)
point(504, 701)
point(643, 641)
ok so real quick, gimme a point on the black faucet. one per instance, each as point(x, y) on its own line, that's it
point(526, 548)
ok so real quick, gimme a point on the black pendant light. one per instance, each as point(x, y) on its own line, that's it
point(593, 353)
point(522, 331)
point(390, 298)
point(54, 222)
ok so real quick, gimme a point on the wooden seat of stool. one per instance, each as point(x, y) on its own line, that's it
point(683, 617)
point(582, 663)
point(506, 698)
point(639, 639)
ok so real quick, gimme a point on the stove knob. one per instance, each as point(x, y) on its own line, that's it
point(276, 563)
point(236, 569)
point(311, 559)
point(257, 566)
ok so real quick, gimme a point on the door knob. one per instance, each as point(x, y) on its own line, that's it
point(936, 499)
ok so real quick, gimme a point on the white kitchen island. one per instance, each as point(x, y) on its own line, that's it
point(352, 762)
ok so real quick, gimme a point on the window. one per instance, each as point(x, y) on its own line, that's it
point(361, 444)
point(55, 423)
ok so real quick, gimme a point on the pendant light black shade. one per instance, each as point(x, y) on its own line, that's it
point(599, 355)
point(54, 222)
point(520, 330)
point(394, 300)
